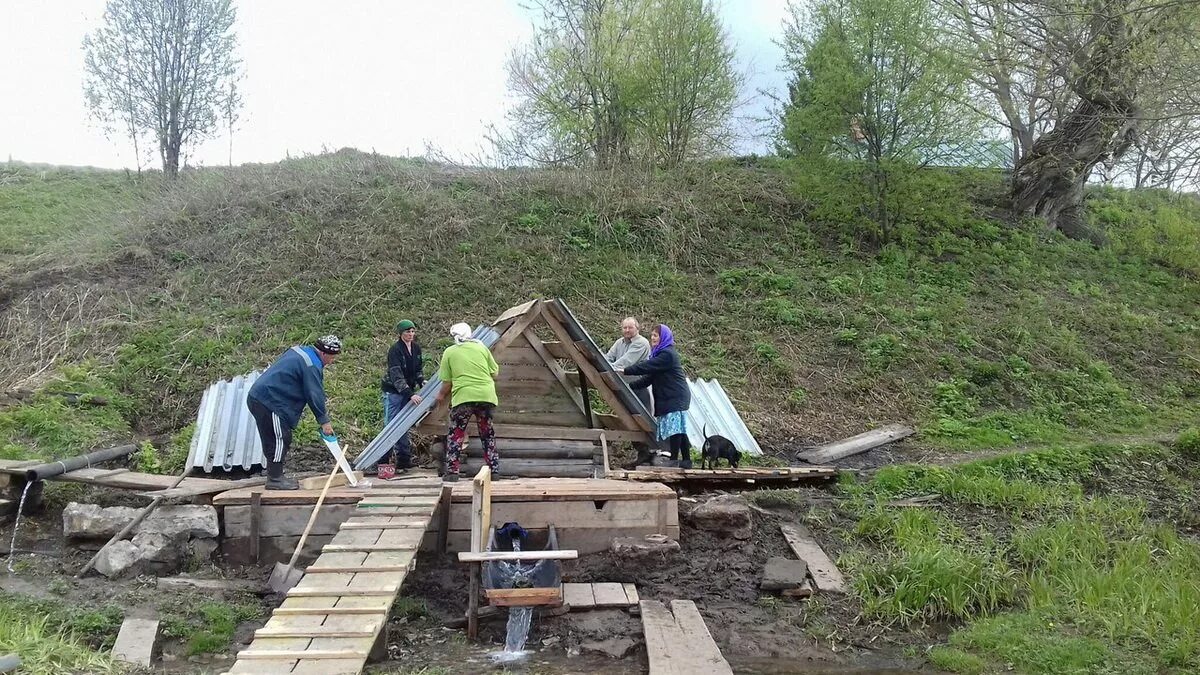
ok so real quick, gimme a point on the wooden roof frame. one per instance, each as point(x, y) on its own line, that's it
point(516, 327)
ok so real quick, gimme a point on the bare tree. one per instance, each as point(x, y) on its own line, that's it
point(163, 68)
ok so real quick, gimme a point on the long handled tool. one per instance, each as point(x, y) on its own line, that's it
point(284, 577)
point(335, 449)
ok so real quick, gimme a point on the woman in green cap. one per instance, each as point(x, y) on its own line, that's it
point(404, 377)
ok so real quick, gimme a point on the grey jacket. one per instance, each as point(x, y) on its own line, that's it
point(625, 353)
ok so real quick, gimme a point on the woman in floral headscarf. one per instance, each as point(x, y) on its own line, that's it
point(664, 374)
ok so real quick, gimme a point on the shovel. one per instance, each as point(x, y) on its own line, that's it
point(284, 577)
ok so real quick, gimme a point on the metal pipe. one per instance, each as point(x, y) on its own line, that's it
point(52, 469)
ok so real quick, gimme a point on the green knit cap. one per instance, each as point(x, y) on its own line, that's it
point(405, 325)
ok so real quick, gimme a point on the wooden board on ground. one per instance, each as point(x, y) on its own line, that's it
point(578, 596)
point(826, 576)
point(610, 594)
point(135, 641)
point(525, 597)
point(318, 482)
point(678, 642)
point(832, 452)
point(748, 476)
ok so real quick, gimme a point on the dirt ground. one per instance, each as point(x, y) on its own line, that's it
point(757, 633)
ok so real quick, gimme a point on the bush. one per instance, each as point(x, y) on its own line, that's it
point(1188, 443)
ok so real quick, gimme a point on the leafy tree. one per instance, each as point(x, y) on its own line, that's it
point(611, 82)
point(163, 68)
point(871, 85)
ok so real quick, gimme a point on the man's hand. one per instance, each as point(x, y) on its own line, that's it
point(620, 370)
point(416, 399)
point(327, 429)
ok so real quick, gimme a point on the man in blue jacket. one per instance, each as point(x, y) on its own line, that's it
point(277, 400)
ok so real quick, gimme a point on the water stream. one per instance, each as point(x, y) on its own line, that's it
point(519, 618)
point(12, 546)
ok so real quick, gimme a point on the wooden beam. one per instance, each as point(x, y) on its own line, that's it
point(516, 330)
point(481, 508)
point(831, 452)
point(315, 632)
point(286, 654)
point(524, 597)
point(589, 371)
point(491, 556)
point(356, 548)
point(332, 611)
point(559, 373)
point(824, 573)
point(443, 510)
point(358, 569)
point(341, 591)
point(513, 312)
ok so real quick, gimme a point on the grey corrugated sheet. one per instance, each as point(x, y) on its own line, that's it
point(411, 415)
point(712, 411)
point(225, 436)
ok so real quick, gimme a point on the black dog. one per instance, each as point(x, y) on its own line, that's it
point(717, 448)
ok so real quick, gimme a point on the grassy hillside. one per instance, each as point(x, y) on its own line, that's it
point(982, 330)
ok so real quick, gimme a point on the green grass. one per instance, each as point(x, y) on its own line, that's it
point(51, 638)
point(207, 627)
point(1056, 580)
point(975, 325)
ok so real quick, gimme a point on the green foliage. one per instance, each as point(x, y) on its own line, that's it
point(146, 459)
point(1157, 225)
point(657, 84)
point(51, 638)
point(208, 627)
point(956, 660)
point(1188, 442)
point(48, 426)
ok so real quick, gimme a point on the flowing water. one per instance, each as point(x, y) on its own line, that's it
point(519, 618)
point(12, 546)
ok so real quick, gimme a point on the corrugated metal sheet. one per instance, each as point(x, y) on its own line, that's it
point(712, 411)
point(225, 436)
point(411, 415)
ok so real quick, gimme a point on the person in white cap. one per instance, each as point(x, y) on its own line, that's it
point(468, 372)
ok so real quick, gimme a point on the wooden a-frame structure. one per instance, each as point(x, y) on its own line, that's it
point(547, 423)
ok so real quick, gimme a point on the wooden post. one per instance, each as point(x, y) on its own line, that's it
point(444, 519)
point(587, 401)
point(255, 523)
point(481, 518)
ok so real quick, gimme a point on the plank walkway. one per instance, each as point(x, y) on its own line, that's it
point(678, 641)
point(330, 621)
point(148, 484)
point(748, 475)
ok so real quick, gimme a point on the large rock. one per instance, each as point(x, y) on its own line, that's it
point(782, 574)
point(117, 559)
point(725, 515)
point(89, 521)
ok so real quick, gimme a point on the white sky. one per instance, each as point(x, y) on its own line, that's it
point(388, 75)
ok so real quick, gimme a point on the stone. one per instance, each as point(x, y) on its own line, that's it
point(135, 641)
point(195, 520)
point(159, 548)
point(117, 559)
point(781, 574)
point(616, 647)
point(724, 515)
point(89, 521)
point(200, 551)
point(650, 544)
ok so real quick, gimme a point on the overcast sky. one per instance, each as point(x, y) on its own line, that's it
point(387, 75)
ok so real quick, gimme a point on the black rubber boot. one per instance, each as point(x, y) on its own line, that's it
point(276, 480)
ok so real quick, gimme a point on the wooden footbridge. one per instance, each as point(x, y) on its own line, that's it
point(331, 621)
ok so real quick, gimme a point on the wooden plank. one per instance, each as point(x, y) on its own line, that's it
point(207, 585)
point(359, 569)
point(831, 452)
point(283, 521)
point(344, 592)
point(583, 541)
point(610, 594)
point(516, 330)
point(664, 640)
point(570, 468)
point(255, 524)
point(521, 354)
point(525, 373)
point(589, 371)
point(419, 523)
point(578, 596)
point(317, 632)
point(331, 611)
point(825, 575)
point(481, 508)
point(489, 556)
point(191, 488)
point(704, 655)
point(525, 597)
point(632, 594)
point(556, 349)
point(503, 415)
point(526, 404)
point(571, 515)
point(135, 641)
point(318, 482)
point(337, 548)
point(804, 591)
point(443, 514)
point(253, 654)
point(514, 312)
point(531, 448)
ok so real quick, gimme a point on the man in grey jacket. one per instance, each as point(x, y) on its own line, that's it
point(629, 349)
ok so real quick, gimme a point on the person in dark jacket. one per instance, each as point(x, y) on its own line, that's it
point(277, 399)
point(663, 373)
point(404, 377)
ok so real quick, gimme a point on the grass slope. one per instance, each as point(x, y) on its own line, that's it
point(981, 329)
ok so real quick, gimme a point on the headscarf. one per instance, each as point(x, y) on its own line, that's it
point(665, 339)
point(461, 333)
